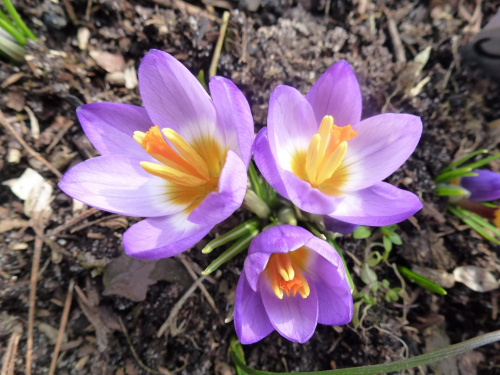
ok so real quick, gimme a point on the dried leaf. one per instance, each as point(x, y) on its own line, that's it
point(476, 278)
point(128, 277)
point(35, 191)
point(108, 61)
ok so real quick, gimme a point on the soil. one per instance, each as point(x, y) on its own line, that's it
point(282, 42)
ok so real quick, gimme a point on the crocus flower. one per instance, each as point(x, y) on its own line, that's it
point(181, 161)
point(317, 153)
point(291, 281)
point(482, 188)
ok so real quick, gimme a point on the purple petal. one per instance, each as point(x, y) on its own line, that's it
point(217, 207)
point(291, 124)
point(336, 93)
point(267, 164)
point(338, 226)
point(334, 297)
point(483, 187)
point(295, 318)
point(384, 142)
point(110, 127)
point(162, 237)
point(118, 184)
point(379, 205)
point(234, 116)
point(307, 198)
point(278, 239)
point(250, 317)
point(174, 98)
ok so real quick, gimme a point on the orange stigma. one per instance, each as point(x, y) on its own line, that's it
point(324, 155)
point(283, 271)
point(193, 170)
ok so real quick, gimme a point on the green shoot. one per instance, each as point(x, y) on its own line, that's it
point(421, 281)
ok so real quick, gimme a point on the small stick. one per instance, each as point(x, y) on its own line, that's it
point(399, 50)
point(32, 152)
point(178, 306)
point(62, 327)
point(218, 47)
point(202, 287)
point(75, 220)
point(9, 359)
point(59, 135)
point(31, 315)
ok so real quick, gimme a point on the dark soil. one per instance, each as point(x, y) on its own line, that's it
point(283, 42)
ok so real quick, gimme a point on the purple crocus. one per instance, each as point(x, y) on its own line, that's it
point(291, 281)
point(181, 161)
point(483, 187)
point(317, 153)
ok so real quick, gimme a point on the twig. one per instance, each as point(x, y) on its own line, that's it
point(32, 152)
point(62, 327)
point(31, 315)
point(399, 50)
point(244, 42)
point(71, 12)
point(93, 222)
point(59, 135)
point(132, 349)
point(218, 47)
point(75, 220)
point(175, 310)
point(9, 359)
point(202, 287)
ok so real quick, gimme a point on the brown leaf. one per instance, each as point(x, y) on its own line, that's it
point(128, 277)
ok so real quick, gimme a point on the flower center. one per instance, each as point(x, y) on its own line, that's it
point(193, 170)
point(283, 271)
point(324, 155)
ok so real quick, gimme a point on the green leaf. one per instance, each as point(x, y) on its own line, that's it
point(451, 191)
point(482, 162)
point(255, 182)
point(241, 230)
point(464, 159)
point(477, 223)
point(237, 350)
point(396, 239)
point(388, 229)
point(421, 281)
point(387, 243)
point(361, 232)
point(201, 79)
point(460, 172)
point(384, 368)
point(236, 248)
point(17, 19)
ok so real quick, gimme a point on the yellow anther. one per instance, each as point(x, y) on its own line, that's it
point(313, 157)
point(187, 152)
point(285, 276)
point(171, 174)
point(139, 137)
point(330, 165)
point(325, 153)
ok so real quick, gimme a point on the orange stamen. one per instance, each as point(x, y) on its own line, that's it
point(284, 273)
